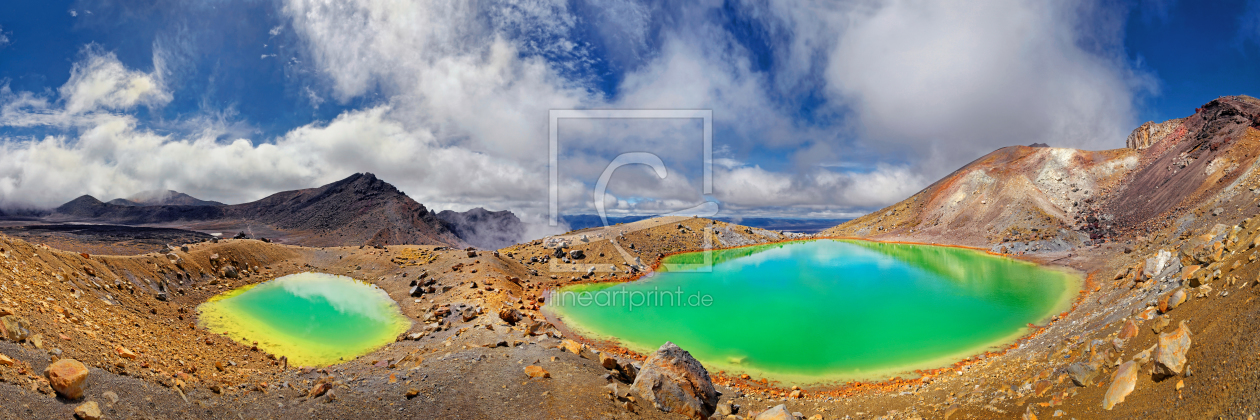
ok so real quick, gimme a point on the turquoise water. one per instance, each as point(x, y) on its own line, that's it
point(824, 310)
point(314, 319)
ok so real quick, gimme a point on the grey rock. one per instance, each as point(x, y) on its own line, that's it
point(674, 382)
point(1082, 374)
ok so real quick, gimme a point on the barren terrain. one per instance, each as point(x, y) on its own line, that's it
point(1164, 231)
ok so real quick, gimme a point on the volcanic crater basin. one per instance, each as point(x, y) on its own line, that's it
point(820, 311)
point(314, 319)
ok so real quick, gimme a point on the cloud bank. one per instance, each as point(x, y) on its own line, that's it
point(818, 110)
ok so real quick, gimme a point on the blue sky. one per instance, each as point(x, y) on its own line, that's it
point(821, 109)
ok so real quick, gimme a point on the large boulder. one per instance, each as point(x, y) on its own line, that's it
point(68, 377)
point(1122, 384)
point(1206, 248)
point(1156, 264)
point(1170, 352)
point(674, 382)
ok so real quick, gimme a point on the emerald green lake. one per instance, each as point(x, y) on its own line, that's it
point(823, 310)
point(313, 319)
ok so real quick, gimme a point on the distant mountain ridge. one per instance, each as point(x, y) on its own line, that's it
point(358, 210)
point(163, 198)
point(485, 229)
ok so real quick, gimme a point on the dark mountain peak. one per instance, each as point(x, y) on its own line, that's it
point(84, 199)
point(359, 209)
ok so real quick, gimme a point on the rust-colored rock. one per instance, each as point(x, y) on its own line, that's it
point(510, 315)
point(535, 371)
point(674, 382)
point(1122, 384)
point(607, 361)
point(572, 346)
point(319, 390)
point(123, 352)
point(1187, 272)
point(68, 377)
point(1129, 330)
point(1041, 387)
point(1170, 352)
point(1172, 301)
point(5, 360)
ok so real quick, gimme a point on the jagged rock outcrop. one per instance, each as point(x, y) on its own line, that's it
point(1150, 133)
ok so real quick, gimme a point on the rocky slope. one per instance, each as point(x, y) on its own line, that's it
point(1037, 199)
point(1165, 231)
point(360, 209)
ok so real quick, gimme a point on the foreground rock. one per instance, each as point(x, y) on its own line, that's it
point(534, 371)
point(1170, 353)
point(778, 412)
point(88, 411)
point(1121, 385)
point(13, 328)
point(68, 377)
point(674, 382)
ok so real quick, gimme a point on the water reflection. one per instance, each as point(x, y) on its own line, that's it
point(363, 301)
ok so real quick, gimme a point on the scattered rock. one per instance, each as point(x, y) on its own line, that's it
point(535, 371)
point(88, 411)
point(1170, 352)
point(778, 412)
point(5, 360)
point(1172, 301)
point(1041, 387)
point(607, 361)
point(1129, 330)
point(1082, 374)
point(124, 353)
point(68, 377)
point(1159, 324)
point(1121, 385)
point(572, 346)
point(412, 393)
point(14, 329)
point(319, 389)
point(510, 316)
point(576, 254)
point(674, 382)
point(726, 409)
point(111, 396)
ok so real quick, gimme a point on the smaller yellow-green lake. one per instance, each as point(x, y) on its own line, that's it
point(314, 319)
